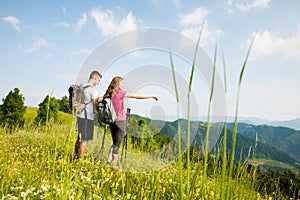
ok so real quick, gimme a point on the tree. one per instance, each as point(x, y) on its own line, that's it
point(48, 110)
point(142, 122)
point(12, 111)
point(64, 105)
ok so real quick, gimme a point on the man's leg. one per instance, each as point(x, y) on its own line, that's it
point(82, 147)
point(77, 145)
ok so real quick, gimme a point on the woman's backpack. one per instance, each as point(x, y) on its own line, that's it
point(106, 111)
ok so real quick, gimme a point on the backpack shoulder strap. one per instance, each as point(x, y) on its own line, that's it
point(84, 87)
point(87, 86)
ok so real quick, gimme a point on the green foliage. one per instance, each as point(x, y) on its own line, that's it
point(64, 105)
point(279, 185)
point(13, 110)
point(48, 110)
point(145, 138)
point(142, 122)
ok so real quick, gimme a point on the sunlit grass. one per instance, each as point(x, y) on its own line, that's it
point(178, 130)
point(232, 152)
point(224, 155)
point(40, 165)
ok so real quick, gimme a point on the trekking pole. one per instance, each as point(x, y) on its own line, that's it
point(103, 139)
point(126, 135)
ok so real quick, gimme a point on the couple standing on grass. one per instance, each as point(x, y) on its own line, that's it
point(86, 124)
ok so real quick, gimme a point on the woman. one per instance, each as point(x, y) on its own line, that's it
point(116, 93)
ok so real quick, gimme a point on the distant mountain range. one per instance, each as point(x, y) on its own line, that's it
point(264, 142)
point(294, 124)
point(284, 139)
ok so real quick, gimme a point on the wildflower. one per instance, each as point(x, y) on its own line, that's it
point(86, 178)
point(10, 197)
point(23, 194)
point(45, 187)
point(58, 190)
point(16, 188)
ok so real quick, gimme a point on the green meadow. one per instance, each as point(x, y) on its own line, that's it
point(37, 163)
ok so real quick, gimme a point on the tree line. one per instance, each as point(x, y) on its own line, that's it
point(13, 109)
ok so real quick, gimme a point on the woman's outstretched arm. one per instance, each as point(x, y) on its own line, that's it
point(141, 97)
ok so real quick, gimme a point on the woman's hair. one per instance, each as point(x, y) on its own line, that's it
point(113, 87)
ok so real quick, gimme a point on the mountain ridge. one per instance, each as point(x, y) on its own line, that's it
point(246, 147)
point(293, 123)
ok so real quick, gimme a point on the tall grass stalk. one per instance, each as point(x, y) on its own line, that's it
point(206, 148)
point(231, 163)
point(48, 107)
point(178, 129)
point(189, 108)
point(224, 157)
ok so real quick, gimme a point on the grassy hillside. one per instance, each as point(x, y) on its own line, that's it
point(38, 163)
point(31, 113)
point(273, 164)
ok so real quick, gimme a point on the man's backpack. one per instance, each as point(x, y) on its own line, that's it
point(106, 111)
point(76, 98)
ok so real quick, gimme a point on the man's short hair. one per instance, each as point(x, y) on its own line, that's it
point(95, 73)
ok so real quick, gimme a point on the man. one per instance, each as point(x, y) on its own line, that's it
point(85, 119)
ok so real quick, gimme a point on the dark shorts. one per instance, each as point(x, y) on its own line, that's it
point(117, 132)
point(85, 128)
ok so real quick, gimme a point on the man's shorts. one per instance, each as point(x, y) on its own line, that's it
point(85, 128)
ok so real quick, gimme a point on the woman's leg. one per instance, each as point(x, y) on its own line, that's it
point(117, 131)
point(110, 155)
point(113, 129)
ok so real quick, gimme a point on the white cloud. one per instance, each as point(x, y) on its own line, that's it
point(37, 44)
point(81, 22)
point(13, 21)
point(108, 23)
point(230, 7)
point(62, 24)
point(194, 18)
point(268, 44)
point(248, 6)
point(192, 23)
point(209, 35)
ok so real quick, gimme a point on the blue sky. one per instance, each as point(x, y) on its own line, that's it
point(44, 44)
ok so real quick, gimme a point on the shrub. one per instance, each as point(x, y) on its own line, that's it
point(12, 111)
point(64, 105)
point(48, 110)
